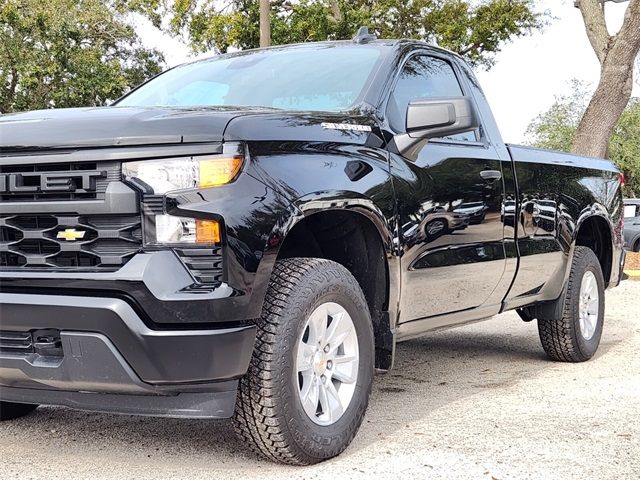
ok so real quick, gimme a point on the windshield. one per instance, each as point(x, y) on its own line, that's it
point(322, 78)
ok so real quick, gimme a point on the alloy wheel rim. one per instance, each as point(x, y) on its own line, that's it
point(589, 305)
point(327, 361)
point(435, 227)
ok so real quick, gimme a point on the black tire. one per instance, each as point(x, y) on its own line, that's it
point(479, 220)
point(560, 334)
point(269, 415)
point(9, 411)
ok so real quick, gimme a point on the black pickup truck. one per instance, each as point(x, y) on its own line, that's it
point(252, 234)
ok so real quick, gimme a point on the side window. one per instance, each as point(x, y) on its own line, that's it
point(423, 77)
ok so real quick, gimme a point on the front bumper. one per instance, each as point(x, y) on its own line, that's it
point(111, 361)
point(156, 284)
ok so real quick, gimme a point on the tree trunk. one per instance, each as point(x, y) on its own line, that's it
point(617, 55)
point(604, 110)
point(265, 23)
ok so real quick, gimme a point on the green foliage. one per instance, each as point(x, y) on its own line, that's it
point(475, 29)
point(66, 53)
point(556, 128)
point(624, 146)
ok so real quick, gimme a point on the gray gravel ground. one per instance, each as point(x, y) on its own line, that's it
point(474, 402)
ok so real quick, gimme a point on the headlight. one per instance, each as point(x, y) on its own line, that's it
point(157, 177)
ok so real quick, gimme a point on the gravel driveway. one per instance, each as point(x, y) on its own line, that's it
point(475, 402)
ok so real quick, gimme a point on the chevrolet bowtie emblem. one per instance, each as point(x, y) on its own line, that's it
point(70, 234)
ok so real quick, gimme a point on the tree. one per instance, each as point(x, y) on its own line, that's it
point(67, 53)
point(475, 29)
point(617, 55)
point(557, 127)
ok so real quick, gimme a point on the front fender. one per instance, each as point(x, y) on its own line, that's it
point(309, 205)
point(318, 178)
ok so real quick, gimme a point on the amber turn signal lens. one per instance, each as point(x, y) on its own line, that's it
point(208, 232)
point(219, 171)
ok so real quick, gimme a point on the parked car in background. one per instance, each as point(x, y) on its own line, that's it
point(632, 224)
point(475, 211)
point(438, 221)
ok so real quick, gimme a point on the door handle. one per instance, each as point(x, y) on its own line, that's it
point(492, 175)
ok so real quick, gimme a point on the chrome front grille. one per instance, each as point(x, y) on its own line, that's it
point(100, 242)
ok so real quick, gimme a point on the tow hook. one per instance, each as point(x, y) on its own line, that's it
point(47, 343)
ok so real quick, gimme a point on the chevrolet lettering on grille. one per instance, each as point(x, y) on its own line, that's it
point(79, 182)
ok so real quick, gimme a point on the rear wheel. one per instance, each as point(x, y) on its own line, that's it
point(308, 384)
point(9, 411)
point(573, 331)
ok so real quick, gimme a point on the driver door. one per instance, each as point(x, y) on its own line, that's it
point(449, 204)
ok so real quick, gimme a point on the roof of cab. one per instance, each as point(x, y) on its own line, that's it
point(380, 43)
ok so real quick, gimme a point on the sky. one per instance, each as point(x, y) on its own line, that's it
point(529, 72)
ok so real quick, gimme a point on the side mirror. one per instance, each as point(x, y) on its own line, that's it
point(437, 117)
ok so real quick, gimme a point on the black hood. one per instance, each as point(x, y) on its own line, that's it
point(128, 126)
point(112, 126)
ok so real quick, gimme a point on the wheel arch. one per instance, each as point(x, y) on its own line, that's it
point(348, 228)
point(596, 232)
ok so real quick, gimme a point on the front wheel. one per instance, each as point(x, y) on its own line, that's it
point(573, 332)
point(309, 380)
